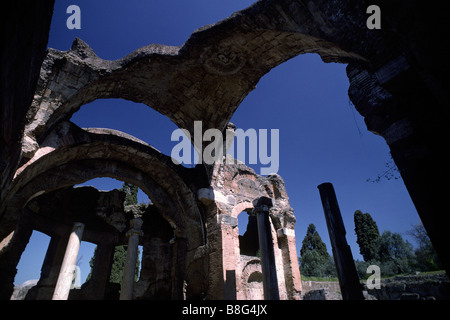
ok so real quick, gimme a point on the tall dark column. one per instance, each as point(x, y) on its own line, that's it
point(101, 271)
point(269, 271)
point(346, 270)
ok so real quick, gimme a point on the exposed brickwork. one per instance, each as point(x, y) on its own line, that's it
point(397, 82)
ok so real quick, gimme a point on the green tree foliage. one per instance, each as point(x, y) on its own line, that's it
point(118, 265)
point(426, 256)
point(367, 234)
point(393, 255)
point(395, 252)
point(389, 251)
point(120, 254)
point(314, 258)
point(131, 192)
point(313, 242)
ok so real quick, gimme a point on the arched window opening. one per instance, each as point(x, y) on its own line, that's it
point(248, 235)
point(255, 290)
point(255, 277)
point(140, 121)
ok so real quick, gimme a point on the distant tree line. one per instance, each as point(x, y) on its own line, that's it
point(389, 251)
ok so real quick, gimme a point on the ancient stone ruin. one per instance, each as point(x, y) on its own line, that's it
point(191, 243)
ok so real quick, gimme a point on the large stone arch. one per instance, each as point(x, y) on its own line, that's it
point(208, 77)
point(71, 155)
point(252, 287)
point(397, 82)
point(204, 79)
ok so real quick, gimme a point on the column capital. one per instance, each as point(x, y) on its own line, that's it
point(78, 226)
point(135, 225)
point(132, 232)
point(261, 209)
point(262, 205)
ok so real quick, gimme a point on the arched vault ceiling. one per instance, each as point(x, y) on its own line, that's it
point(210, 74)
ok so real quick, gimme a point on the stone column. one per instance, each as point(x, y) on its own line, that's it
point(126, 291)
point(345, 266)
point(50, 269)
point(101, 271)
point(269, 271)
point(65, 277)
point(215, 254)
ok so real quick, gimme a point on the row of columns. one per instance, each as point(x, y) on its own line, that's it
point(58, 288)
point(64, 282)
point(58, 267)
point(60, 261)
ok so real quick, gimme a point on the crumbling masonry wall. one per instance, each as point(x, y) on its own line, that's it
point(233, 190)
point(398, 82)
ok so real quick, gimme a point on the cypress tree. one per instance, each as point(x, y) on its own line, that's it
point(315, 260)
point(367, 234)
point(313, 241)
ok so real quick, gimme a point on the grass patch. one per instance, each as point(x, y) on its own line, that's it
point(332, 279)
point(431, 272)
point(306, 278)
point(425, 273)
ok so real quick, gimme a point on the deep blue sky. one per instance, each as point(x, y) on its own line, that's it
point(322, 137)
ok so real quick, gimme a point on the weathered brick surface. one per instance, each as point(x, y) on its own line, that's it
point(398, 82)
